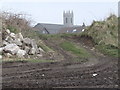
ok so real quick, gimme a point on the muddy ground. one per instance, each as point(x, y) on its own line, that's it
point(98, 72)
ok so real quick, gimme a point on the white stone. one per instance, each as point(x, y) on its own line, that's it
point(11, 48)
point(8, 55)
point(19, 37)
point(17, 42)
point(6, 38)
point(94, 74)
point(27, 41)
point(74, 30)
point(43, 75)
point(32, 51)
point(21, 53)
point(0, 56)
point(41, 50)
point(1, 49)
point(5, 43)
point(83, 30)
point(93, 48)
point(12, 35)
point(39, 55)
point(8, 31)
point(27, 49)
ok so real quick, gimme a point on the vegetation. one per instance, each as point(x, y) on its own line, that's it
point(69, 46)
point(108, 50)
point(27, 60)
point(105, 35)
point(44, 47)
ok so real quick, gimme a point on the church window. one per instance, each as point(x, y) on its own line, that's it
point(71, 20)
point(66, 20)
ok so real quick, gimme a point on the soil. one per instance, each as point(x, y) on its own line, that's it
point(98, 72)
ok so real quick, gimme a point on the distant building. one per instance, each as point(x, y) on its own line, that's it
point(67, 26)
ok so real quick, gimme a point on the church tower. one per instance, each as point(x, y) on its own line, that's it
point(68, 18)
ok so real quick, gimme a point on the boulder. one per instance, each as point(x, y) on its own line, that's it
point(6, 39)
point(5, 43)
point(19, 37)
point(27, 41)
point(41, 50)
point(0, 56)
point(1, 49)
point(34, 45)
point(11, 48)
point(27, 49)
point(12, 35)
point(17, 42)
point(7, 31)
point(32, 51)
point(0, 38)
point(9, 39)
point(8, 55)
point(21, 53)
point(39, 55)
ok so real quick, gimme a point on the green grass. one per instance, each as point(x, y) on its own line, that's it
point(69, 46)
point(13, 29)
point(108, 50)
point(28, 60)
point(45, 47)
point(40, 61)
point(104, 32)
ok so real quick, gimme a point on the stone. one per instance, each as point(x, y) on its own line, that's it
point(7, 31)
point(17, 42)
point(0, 56)
point(11, 48)
point(27, 41)
point(34, 45)
point(1, 49)
point(6, 39)
point(19, 36)
point(95, 74)
point(0, 38)
point(5, 43)
point(21, 53)
point(27, 49)
point(8, 55)
point(32, 51)
point(39, 55)
point(9, 39)
point(12, 35)
point(41, 50)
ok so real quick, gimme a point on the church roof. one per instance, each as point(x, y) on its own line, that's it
point(57, 28)
point(51, 28)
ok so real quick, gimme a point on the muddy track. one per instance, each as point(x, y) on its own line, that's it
point(68, 76)
point(62, 74)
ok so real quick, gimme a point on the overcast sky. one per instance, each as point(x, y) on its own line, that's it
point(52, 12)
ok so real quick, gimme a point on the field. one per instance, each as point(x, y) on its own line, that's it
point(98, 70)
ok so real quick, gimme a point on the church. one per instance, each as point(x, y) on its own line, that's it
point(67, 26)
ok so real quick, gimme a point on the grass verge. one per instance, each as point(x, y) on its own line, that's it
point(69, 46)
point(28, 60)
point(108, 50)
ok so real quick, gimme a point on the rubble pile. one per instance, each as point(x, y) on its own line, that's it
point(15, 45)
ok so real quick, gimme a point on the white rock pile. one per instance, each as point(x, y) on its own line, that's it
point(15, 45)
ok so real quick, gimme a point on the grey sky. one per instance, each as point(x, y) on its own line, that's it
point(51, 12)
